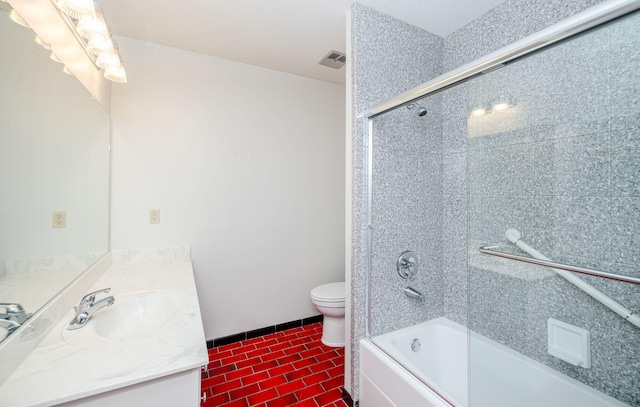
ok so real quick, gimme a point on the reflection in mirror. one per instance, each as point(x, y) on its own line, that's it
point(54, 176)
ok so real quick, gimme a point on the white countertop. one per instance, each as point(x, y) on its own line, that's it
point(69, 365)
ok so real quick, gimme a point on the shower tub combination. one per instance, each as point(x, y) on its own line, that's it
point(426, 365)
point(441, 363)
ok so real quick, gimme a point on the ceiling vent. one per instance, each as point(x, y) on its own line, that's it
point(334, 59)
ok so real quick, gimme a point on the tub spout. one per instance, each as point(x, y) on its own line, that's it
point(413, 293)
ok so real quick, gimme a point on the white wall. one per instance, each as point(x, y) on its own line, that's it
point(246, 165)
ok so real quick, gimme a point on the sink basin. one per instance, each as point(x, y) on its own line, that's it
point(134, 315)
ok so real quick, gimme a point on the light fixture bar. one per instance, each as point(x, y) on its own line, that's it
point(95, 45)
point(69, 23)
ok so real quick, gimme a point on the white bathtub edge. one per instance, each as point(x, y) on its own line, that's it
point(537, 384)
point(381, 375)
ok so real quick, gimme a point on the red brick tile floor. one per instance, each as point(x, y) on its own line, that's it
point(288, 368)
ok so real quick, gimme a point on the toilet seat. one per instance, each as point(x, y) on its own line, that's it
point(332, 292)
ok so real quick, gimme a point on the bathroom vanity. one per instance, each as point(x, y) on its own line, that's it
point(145, 349)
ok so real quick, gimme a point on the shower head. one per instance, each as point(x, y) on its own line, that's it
point(420, 109)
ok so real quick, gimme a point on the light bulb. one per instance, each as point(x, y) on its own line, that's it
point(55, 57)
point(500, 106)
point(107, 59)
point(76, 8)
point(42, 43)
point(93, 26)
point(478, 111)
point(99, 45)
point(115, 73)
point(17, 18)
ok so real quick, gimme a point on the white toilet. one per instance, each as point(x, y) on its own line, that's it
point(329, 300)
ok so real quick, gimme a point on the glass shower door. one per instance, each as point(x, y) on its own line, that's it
point(554, 174)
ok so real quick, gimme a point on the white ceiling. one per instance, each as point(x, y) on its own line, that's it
point(286, 35)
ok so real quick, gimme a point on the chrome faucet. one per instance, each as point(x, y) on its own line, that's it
point(88, 305)
point(14, 312)
point(13, 316)
point(9, 325)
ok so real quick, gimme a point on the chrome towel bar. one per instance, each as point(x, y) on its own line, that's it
point(490, 250)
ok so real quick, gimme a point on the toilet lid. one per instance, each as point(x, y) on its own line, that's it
point(332, 292)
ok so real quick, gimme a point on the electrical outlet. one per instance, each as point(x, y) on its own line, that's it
point(59, 219)
point(154, 216)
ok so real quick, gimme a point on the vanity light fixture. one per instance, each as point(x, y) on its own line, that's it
point(92, 32)
point(87, 23)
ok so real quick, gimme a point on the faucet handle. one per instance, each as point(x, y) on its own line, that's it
point(12, 308)
point(89, 298)
point(9, 324)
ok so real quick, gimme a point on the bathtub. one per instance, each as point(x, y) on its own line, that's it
point(500, 376)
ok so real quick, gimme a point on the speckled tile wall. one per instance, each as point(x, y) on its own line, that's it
point(388, 58)
point(507, 23)
point(510, 168)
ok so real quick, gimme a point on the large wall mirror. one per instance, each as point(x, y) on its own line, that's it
point(54, 157)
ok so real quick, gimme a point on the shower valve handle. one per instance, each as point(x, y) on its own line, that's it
point(407, 264)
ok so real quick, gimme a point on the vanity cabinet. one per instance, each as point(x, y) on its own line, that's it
point(109, 362)
point(179, 389)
